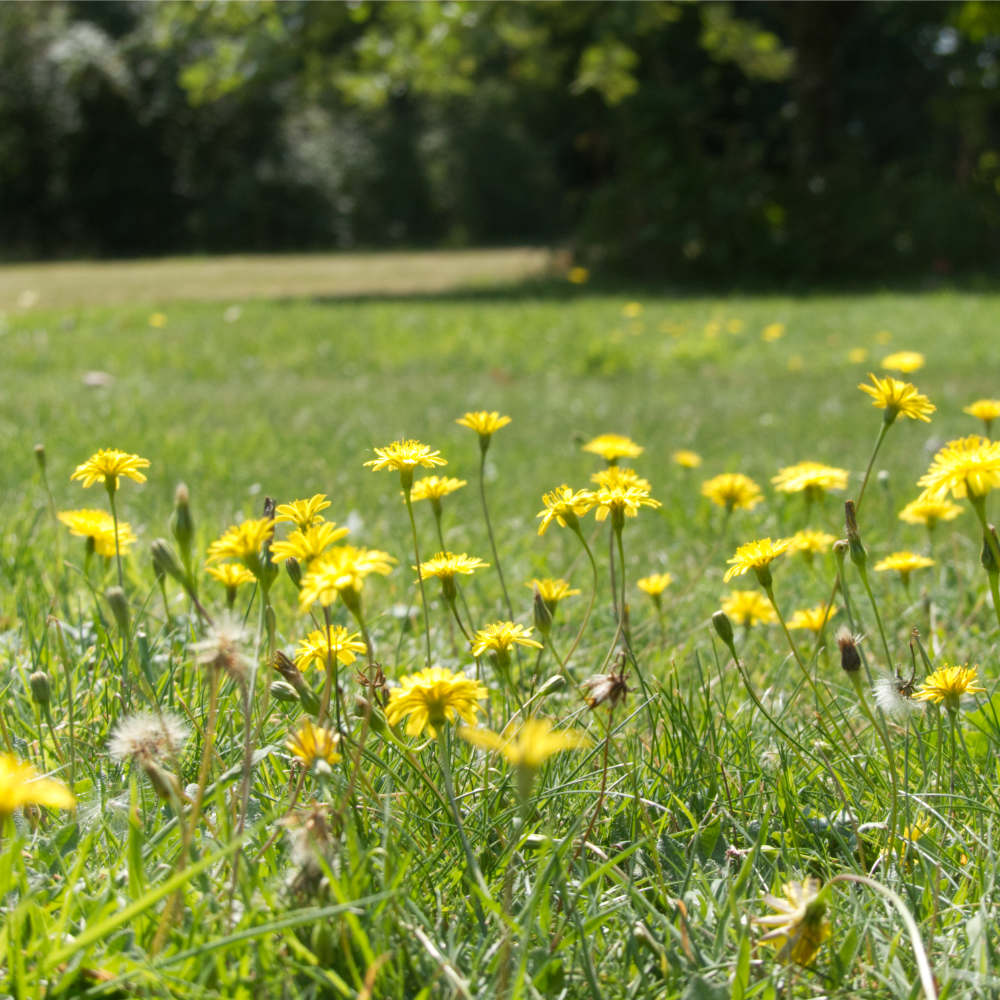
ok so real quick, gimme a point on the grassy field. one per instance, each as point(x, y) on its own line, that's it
point(634, 865)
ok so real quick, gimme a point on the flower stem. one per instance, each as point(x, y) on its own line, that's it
point(330, 687)
point(871, 462)
point(407, 489)
point(979, 506)
point(489, 531)
point(114, 518)
point(590, 605)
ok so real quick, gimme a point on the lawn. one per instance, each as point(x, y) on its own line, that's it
point(634, 864)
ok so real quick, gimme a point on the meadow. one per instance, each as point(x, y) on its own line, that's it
point(723, 807)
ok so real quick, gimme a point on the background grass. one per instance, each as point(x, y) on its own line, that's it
point(707, 807)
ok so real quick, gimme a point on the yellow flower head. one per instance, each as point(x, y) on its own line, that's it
point(813, 619)
point(501, 637)
point(903, 562)
point(20, 785)
point(302, 513)
point(749, 607)
point(904, 361)
point(654, 584)
point(484, 422)
point(318, 648)
point(632, 310)
point(857, 355)
point(686, 459)
point(896, 397)
point(948, 684)
point(107, 465)
point(308, 544)
point(969, 466)
point(99, 526)
point(565, 506)
point(756, 556)
point(552, 591)
point(434, 487)
point(243, 542)
point(611, 447)
point(809, 542)
point(534, 743)
point(230, 575)
point(404, 456)
point(799, 925)
point(772, 332)
point(618, 477)
point(732, 490)
point(433, 697)
point(928, 510)
point(339, 572)
point(578, 275)
point(986, 410)
point(445, 565)
point(621, 501)
point(811, 477)
point(311, 743)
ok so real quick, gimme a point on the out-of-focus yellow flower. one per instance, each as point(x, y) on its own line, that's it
point(736, 325)
point(986, 410)
point(621, 501)
point(810, 477)
point(108, 465)
point(772, 332)
point(536, 741)
point(800, 925)
point(813, 619)
point(99, 527)
point(243, 542)
point(686, 459)
point(654, 584)
point(302, 513)
point(230, 575)
point(403, 457)
point(433, 697)
point(434, 487)
point(578, 275)
point(21, 785)
point(903, 563)
point(340, 572)
point(967, 467)
point(809, 542)
point(947, 684)
point(484, 422)
point(311, 743)
point(904, 361)
point(501, 638)
point(749, 607)
point(732, 490)
point(158, 320)
point(857, 355)
point(632, 310)
point(928, 510)
point(446, 565)
point(552, 591)
point(611, 447)
point(896, 397)
point(883, 337)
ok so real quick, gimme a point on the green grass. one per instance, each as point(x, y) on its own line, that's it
point(708, 805)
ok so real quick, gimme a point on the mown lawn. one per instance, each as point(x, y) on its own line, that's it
point(637, 865)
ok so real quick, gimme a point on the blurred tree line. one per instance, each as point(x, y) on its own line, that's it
point(811, 141)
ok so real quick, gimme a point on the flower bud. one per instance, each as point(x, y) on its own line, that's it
point(164, 560)
point(858, 554)
point(542, 612)
point(40, 457)
point(118, 603)
point(850, 660)
point(987, 556)
point(165, 784)
point(283, 691)
point(294, 571)
point(181, 523)
point(723, 627)
point(41, 689)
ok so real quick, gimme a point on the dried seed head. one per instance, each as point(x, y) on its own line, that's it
point(608, 688)
point(148, 736)
point(850, 660)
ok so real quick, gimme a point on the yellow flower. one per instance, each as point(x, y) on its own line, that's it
point(20, 785)
point(534, 743)
point(445, 565)
point(966, 467)
point(622, 501)
point(307, 545)
point(611, 447)
point(903, 361)
point(231, 575)
point(99, 526)
point(928, 510)
point(811, 477)
point(814, 619)
point(773, 332)
point(302, 513)
point(904, 563)
point(434, 487)
point(404, 456)
point(336, 644)
point(158, 320)
point(107, 465)
point(618, 477)
point(578, 275)
point(632, 310)
point(243, 542)
point(654, 584)
point(732, 490)
point(947, 684)
point(749, 607)
point(986, 410)
point(800, 925)
point(501, 637)
point(339, 572)
point(896, 397)
point(311, 743)
point(757, 555)
point(552, 591)
point(686, 459)
point(565, 506)
point(433, 697)
point(857, 355)
point(484, 422)
point(809, 541)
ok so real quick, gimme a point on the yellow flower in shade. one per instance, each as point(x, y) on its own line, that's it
point(772, 332)
point(536, 741)
point(99, 526)
point(501, 638)
point(434, 487)
point(986, 410)
point(928, 510)
point(897, 398)
point(302, 513)
point(484, 422)
point(732, 490)
point(903, 361)
point(903, 563)
point(230, 575)
point(433, 697)
point(810, 477)
point(632, 310)
point(21, 785)
point(565, 506)
point(813, 619)
point(578, 275)
point(969, 466)
point(108, 465)
point(308, 544)
point(749, 607)
point(243, 542)
point(948, 684)
point(654, 584)
point(311, 743)
point(335, 644)
point(404, 456)
point(618, 477)
point(340, 572)
point(611, 447)
point(686, 459)
point(756, 556)
point(800, 925)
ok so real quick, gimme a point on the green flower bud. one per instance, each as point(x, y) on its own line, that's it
point(41, 688)
point(118, 603)
point(723, 627)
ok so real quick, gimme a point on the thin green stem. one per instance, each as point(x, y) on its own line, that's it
point(114, 518)
point(871, 462)
point(979, 506)
point(489, 531)
point(407, 489)
point(590, 604)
